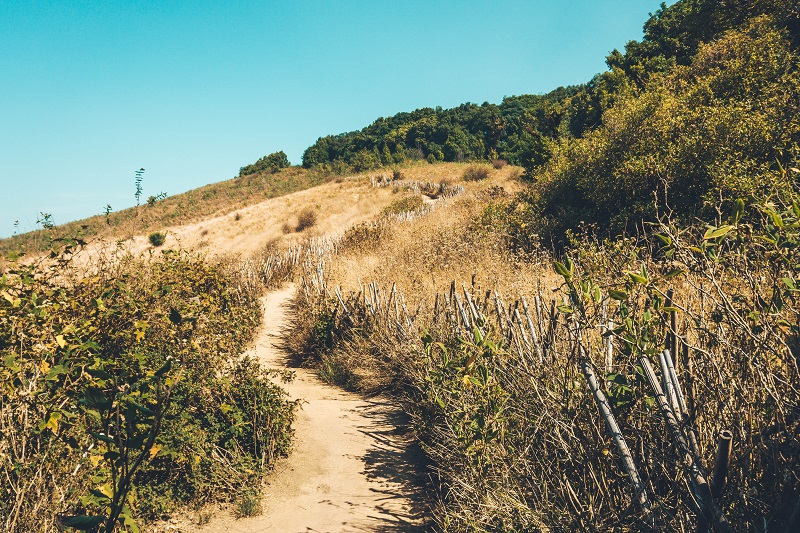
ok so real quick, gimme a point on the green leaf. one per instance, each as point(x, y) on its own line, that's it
point(175, 316)
point(55, 372)
point(100, 436)
point(777, 221)
point(561, 269)
point(618, 295)
point(94, 397)
point(738, 211)
point(674, 273)
point(637, 278)
point(98, 373)
point(143, 409)
point(716, 233)
point(83, 522)
point(164, 369)
point(101, 496)
point(567, 310)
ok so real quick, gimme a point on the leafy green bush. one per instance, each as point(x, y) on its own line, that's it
point(269, 163)
point(404, 204)
point(719, 128)
point(157, 238)
point(132, 388)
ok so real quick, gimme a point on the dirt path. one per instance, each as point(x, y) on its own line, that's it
point(349, 469)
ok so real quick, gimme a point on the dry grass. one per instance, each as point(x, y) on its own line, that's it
point(545, 459)
point(209, 201)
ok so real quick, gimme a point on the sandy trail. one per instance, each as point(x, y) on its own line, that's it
point(349, 469)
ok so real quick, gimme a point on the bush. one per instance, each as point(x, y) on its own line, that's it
point(476, 173)
point(158, 369)
point(403, 205)
point(499, 163)
point(306, 219)
point(269, 163)
point(157, 238)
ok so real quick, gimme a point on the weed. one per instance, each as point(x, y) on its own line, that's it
point(157, 239)
point(404, 205)
point(306, 219)
point(249, 504)
point(476, 173)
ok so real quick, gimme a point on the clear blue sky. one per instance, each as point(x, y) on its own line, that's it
point(90, 91)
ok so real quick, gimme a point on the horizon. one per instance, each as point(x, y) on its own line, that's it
point(193, 92)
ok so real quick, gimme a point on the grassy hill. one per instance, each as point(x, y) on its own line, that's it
point(198, 204)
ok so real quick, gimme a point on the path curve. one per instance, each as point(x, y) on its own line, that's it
point(349, 470)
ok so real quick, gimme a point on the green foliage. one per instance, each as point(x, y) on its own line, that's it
point(525, 129)
point(720, 128)
point(268, 164)
point(157, 239)
point(131, 386)
point(139, 175)
point(404, 205)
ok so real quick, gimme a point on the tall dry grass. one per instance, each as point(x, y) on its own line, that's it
point(492, 354)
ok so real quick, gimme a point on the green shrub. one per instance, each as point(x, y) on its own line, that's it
point(269, 163)
point(404, 204)
point(157, 238)
point(131, 353)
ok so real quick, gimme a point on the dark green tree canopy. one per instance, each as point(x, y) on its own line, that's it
point(269, 163)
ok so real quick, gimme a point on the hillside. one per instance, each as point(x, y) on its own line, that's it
point(210, 200)
point(603, 338)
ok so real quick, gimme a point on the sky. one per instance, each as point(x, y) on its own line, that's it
point(91, 91)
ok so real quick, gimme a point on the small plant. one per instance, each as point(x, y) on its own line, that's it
point(476, 173)
point(249, 504)
point(237, 217)
point(404, 204)
point(306, 219)
point(499, 163)
point(138, 182)
point(157, 238)
point(397, 175)
point(151, 201)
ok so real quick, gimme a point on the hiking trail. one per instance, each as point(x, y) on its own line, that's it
point(350, 468)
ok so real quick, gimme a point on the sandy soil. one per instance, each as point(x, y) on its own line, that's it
point(350, 469)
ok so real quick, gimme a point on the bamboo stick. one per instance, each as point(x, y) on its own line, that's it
point(499, 315)
point(628, 465)
point(672, 334)
point(521, 329)
point(534, 337)
point(462, 313)
point(721, 463)
point(694, 469)
point(609, 351)
point(667, 383)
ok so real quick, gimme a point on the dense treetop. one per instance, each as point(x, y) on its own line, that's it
point(523, 129)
